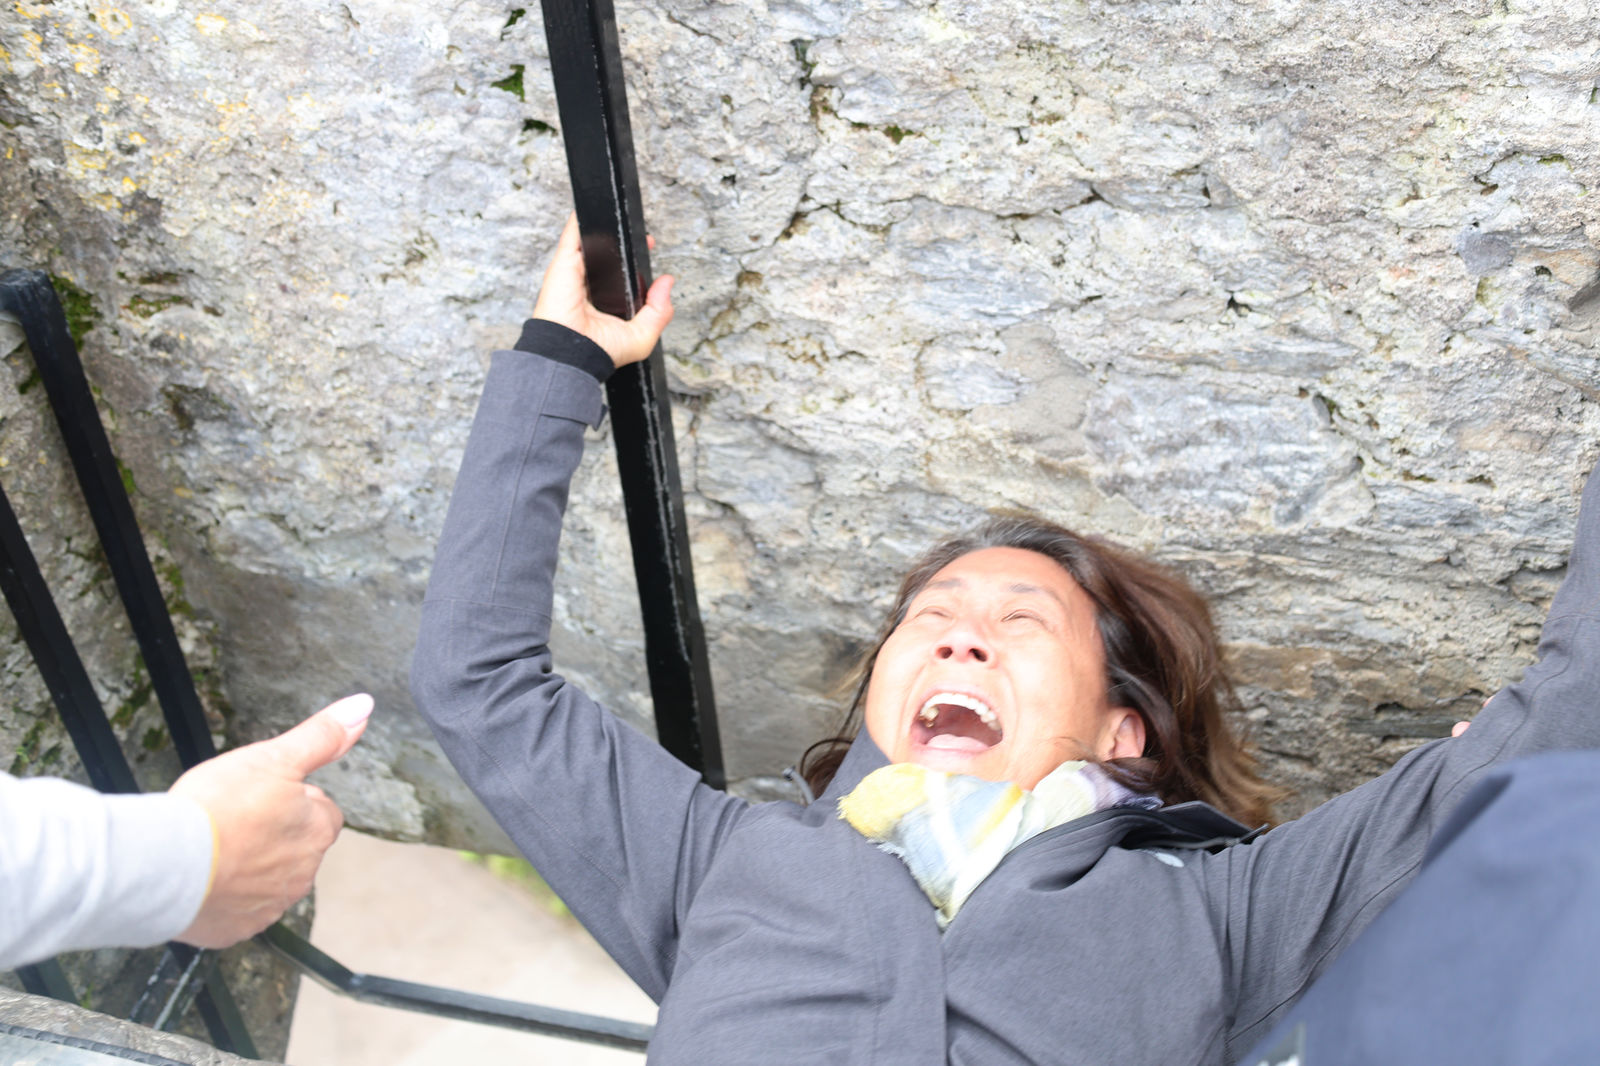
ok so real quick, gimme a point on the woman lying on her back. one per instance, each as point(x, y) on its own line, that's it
point(1030, 853)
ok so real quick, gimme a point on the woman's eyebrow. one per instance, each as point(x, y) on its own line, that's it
point(1019, 587)
point(1026, 589)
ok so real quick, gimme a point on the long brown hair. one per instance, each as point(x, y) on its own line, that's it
point(1162, 659)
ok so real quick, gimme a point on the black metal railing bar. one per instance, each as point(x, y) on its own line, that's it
point(28, 295)
point(591, 94)
point(450, 1003)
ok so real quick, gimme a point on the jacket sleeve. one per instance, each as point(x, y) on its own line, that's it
point(83, 870)
point(1296, 897)
point(618, 827)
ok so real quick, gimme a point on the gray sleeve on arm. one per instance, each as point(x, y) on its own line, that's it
point(1296, 897)
point(618, 827)
point(83, 870)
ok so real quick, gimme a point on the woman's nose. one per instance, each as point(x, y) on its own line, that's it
point(963, 643)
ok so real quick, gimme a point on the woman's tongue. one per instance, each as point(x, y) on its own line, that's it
point(955, 730)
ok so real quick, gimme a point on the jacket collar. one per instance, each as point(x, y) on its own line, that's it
point(863, 757)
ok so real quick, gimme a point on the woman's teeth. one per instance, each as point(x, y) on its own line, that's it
point(929, 714)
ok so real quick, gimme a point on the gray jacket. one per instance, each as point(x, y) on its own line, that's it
point(775, 933)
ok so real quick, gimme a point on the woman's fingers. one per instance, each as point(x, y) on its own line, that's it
point(632, 340)
point(564, 293)
point(564, 299)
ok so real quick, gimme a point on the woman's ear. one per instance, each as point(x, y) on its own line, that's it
point(1126, 734)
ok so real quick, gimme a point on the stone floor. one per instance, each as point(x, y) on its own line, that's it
point(425, 914)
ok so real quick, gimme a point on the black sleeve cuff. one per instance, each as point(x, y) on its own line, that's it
point(555, 341)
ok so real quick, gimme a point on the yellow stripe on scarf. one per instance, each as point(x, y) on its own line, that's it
point(952, 830)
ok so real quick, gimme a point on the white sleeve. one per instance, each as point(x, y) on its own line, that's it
point(79, 869)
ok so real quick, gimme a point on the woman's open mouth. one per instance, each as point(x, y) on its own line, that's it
point(957, 723)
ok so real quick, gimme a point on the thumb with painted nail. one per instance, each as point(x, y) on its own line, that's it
point(269, 828)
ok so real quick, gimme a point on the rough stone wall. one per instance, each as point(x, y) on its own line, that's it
point(1298, 296)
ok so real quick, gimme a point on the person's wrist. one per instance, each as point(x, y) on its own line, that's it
point(216, 841)
point(563, 344)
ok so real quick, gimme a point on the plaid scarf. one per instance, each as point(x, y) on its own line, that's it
point(952, 830)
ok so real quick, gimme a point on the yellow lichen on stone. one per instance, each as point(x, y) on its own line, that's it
point(82, 161)
point(210, 24)
point(86, 58)
point(113, 20)
point(32, 11)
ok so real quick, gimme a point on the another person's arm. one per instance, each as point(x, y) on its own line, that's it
point(618, 827)
point(213, 860)
point(1300, 894)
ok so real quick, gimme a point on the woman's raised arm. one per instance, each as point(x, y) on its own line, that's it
point(1299, 896)
point(618, 827)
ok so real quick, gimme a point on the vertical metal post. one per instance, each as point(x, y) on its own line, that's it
point(586, 63)
point(28, 295)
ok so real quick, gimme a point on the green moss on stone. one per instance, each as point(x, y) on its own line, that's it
point(512, 83)
point(138, 698)
point(78, 306)
point(144, 307)
point(127, 478)
point(802, 49)
point(27, 748)
point(176, 601)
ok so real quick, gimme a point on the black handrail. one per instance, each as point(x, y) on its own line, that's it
point(592, 97)
point(450, 1003)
